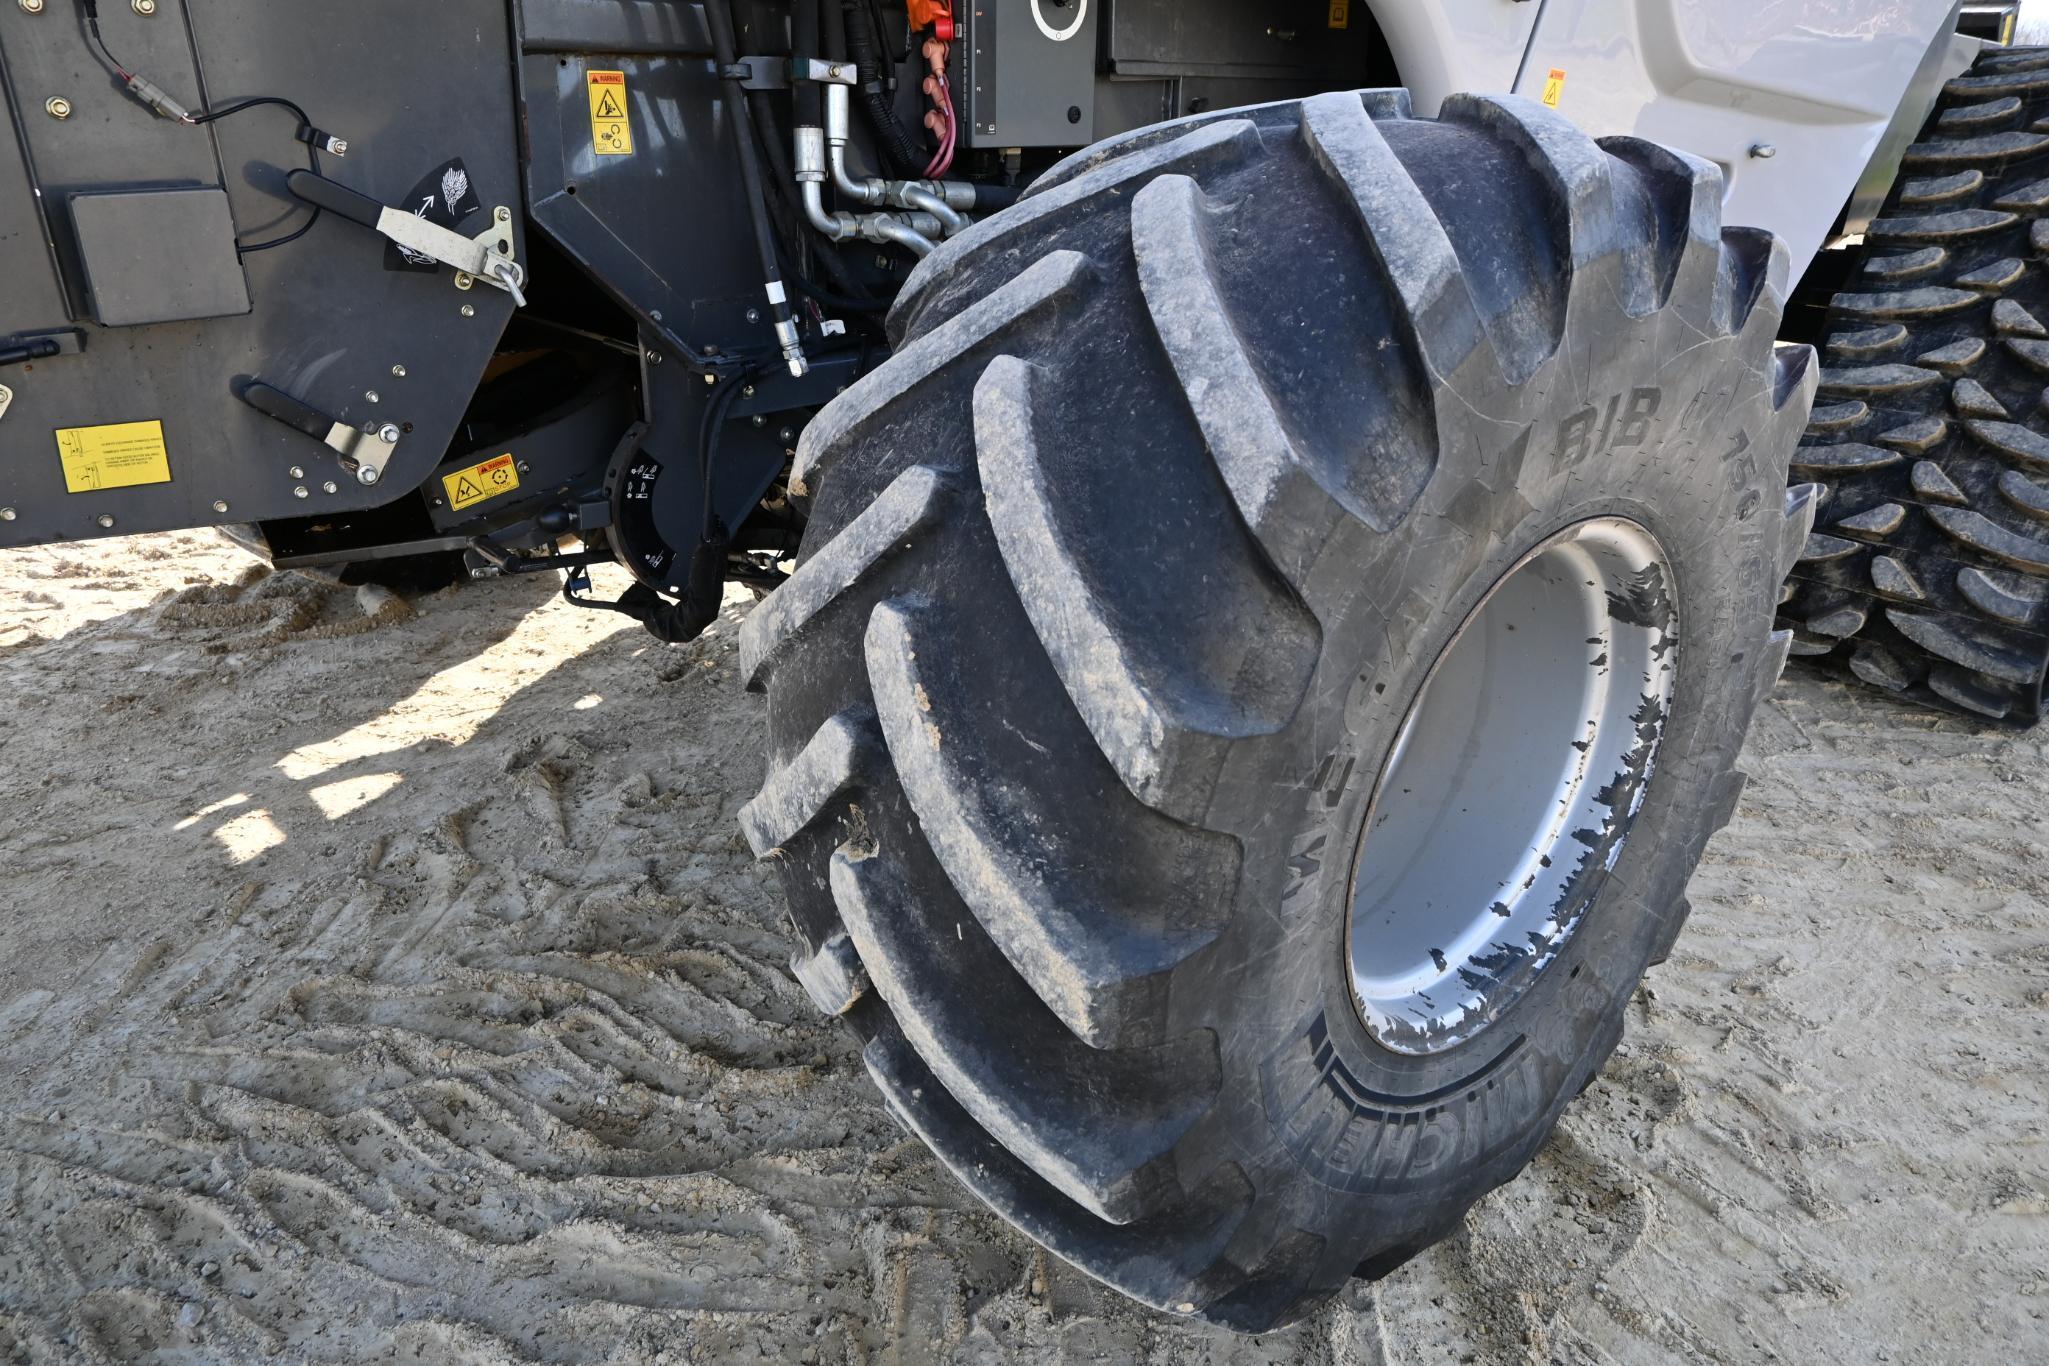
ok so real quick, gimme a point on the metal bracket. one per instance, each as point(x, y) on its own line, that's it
point(6, 399)
point(487, 256)
point(827, 73)
point(758, 73)
point(363, 452)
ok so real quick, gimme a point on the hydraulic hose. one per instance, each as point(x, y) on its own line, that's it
point(804, 37)
point(719, 16)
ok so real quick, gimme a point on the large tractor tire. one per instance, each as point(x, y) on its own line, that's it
point(1928, 573)
point(1190, 476)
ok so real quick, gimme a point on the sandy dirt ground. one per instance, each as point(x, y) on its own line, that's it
point(388, 980)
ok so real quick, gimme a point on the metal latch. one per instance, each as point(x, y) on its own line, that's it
point(364, 452)
point(486, 257)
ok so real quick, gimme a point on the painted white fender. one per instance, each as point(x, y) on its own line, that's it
point(1790, 97)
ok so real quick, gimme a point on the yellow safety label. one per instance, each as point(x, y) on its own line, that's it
point(113, 457)
point(611, 130)
point(497, 475)
point(1340, 13)
point(1554, 87)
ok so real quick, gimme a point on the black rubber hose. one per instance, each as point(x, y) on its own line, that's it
point(804, 41)
point(719, 16)
point(833, 26)
point(990, 198)
point(862, 43)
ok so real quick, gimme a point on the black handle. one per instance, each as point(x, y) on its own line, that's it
point(334, 197)
point(20, 353)
point(277, 403)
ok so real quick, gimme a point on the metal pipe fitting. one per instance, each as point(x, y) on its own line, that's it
point(889, 229)
point(917, 196)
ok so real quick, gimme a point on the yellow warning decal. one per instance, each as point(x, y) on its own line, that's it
point(467, 487)
point(611, 130)
point(1554, 87)
point(1340, 13)
point(113, 457)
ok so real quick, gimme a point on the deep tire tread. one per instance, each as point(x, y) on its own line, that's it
point(1947, 558)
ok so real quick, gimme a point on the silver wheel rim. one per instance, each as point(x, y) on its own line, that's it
point(1511, 786)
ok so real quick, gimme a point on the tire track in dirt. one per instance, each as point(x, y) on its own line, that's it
point(500, 1060)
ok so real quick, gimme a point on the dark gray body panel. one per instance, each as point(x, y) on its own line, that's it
point(409, 86)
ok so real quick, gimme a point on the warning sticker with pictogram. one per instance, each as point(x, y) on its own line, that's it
point(118, 456)
point(1554, 87)
point(611, 130)
point(497, 475)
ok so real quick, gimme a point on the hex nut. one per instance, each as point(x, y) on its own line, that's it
point(57, 107)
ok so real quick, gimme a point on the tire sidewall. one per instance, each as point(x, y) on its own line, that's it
point(1413, 1140)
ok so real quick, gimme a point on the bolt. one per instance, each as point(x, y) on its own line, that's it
point(388, 434)
point(298, 473)
point(760, 421)
point(710, 380)
point(32, 6)
point(366, 474)
point(57, 107)
point(370, 396)
point(299, 491)
point(525, 468)
point(145, 8)
point(220, 505)
point(502, 215)
point(754, 315)
point(105, 519)
point(748, 392)
point(1763, 151)
point(463, 279)
point(328, 487)
point(6, 514)
point(469, 310)
point(480, 573)
point(786, 435)
point(654, 357)
point(398, 372)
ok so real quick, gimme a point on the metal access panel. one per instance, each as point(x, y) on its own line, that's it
point(126, 239)
point(124, 418)
point(1027, 71)
point(1312, 41)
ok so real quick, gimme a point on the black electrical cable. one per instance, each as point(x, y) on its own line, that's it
point(257, 101)
point(313, 163)
point(306, 132)
point(91, 10)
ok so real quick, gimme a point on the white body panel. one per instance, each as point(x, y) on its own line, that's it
point(1818, 81)
point(1442, 46)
